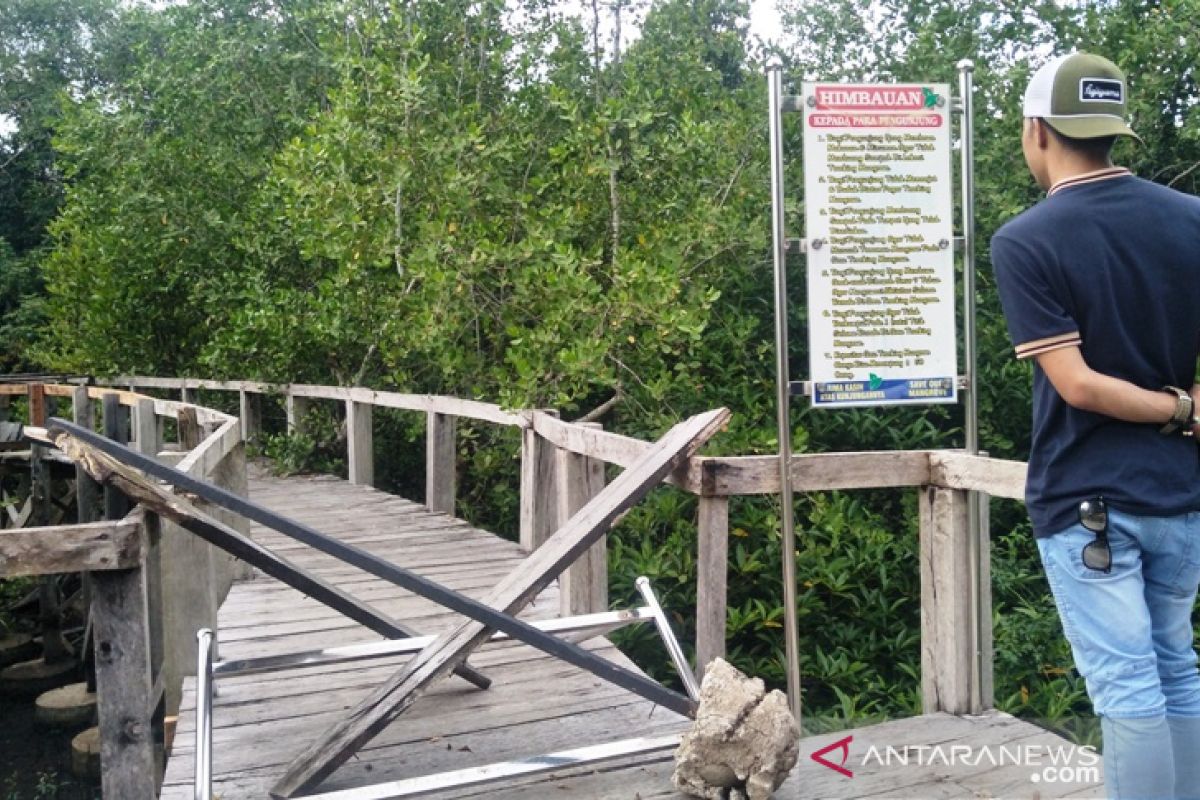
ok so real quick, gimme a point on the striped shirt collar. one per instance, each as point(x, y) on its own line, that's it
point(1088, 177)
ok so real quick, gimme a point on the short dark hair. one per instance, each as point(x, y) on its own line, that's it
point(1098, 149)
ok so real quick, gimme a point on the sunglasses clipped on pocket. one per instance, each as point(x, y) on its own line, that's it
point(1093, 515)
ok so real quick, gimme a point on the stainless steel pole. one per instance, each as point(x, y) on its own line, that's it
point(779, 251)
point(202, 781)
point(668, 636)
point(966, 74)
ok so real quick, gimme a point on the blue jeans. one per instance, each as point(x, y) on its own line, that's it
point(1131, 634)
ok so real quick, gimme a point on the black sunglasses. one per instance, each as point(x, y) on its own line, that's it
point(1093, 515)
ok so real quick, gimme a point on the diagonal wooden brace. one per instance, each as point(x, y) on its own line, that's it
point(513, 593)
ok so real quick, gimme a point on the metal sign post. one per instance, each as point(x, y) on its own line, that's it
point(916, 389)
point(783, 388)
point(977, 507)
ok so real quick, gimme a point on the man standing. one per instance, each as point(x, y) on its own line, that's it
point(1100, 284)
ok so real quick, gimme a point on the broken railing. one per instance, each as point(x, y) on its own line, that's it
point(562, 466)
point(135, 476)
point(141, 636)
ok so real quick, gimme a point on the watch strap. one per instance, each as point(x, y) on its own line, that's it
point(1184, 413)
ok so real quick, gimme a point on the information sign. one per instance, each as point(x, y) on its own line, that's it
point(878, 213)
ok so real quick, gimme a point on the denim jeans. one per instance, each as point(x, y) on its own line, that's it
point(1131, 634)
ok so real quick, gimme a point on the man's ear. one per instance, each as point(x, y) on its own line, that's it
point(1041, 135)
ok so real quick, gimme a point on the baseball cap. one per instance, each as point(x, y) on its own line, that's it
point(1080, 95)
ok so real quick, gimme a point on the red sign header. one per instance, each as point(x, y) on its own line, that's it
point(874, 98)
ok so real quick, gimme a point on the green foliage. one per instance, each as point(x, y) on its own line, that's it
point(22, 308)
point(318, 448)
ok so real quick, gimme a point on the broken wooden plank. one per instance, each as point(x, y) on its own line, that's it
point(319, 760)
point(70, 548)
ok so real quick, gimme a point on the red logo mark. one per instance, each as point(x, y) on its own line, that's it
point(844, 746)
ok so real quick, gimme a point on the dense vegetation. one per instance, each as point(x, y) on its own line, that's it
point(491, 199)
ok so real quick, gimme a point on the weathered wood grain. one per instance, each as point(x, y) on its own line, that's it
point(539, 490)
point(124, 707)
point(712, 571)
point(50, 550)
point(995, 476)
point(947, 630)
point(360, 448)
point(441, 462)
point(583, 587)
point(207, 456)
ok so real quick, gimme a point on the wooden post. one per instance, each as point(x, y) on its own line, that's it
point(441, 462)
point(948, 642)
point(297, 408)
point(54, 647)
point(987, 691)
point(583, 587)
point(711, 576)
point(229, 474)
point(190, 434)
point(360, 452)
point(37, 404)
point(250, 412)
point(87, 491)
point(539, 499)
point(145, 441)
point(186, 394)
point(112, 415)
point(124, 703)
point(87, 503)
point(145, 428)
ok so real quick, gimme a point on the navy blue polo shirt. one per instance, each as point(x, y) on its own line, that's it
point(1109, 263)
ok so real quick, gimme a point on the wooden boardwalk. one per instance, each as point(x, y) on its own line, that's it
point(536, 704)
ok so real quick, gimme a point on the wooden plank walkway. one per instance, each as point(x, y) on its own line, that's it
point(536, 704)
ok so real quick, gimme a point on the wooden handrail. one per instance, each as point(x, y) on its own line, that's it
point(441, 404)
point(703, 475)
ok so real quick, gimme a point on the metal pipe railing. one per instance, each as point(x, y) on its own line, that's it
point(668, 636)
point(204, 700)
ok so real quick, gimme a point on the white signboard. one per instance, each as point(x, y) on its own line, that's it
point(878, 214)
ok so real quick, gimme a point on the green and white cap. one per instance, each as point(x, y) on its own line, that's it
point(1081, 96)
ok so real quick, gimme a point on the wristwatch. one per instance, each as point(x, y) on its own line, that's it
point(1185, 412)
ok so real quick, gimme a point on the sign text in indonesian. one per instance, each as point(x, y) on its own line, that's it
point(879, 223)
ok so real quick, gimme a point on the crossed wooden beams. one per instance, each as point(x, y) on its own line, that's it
point(108, 461)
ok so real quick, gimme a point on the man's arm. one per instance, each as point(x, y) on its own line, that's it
point(1084, 388)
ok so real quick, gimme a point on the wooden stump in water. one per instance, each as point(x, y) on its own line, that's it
point(85, 755)
point(37, 676)
point(71, 706)
point(16, 647)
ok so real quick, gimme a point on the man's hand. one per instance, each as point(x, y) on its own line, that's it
point(1084, 388)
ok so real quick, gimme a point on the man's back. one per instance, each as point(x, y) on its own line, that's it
point(1110, 262)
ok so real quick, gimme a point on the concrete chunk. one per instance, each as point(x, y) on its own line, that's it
point(744, 743)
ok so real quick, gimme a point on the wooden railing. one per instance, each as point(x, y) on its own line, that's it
point(143, 636)
point(562, 467)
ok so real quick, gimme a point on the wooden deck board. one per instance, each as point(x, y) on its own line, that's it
point(536, 705)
